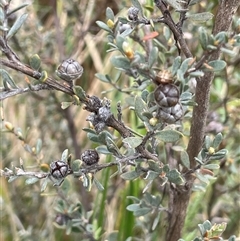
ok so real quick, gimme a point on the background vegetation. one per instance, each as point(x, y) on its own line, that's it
point(57, 30)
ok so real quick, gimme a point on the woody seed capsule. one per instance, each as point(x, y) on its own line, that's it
point(133, 13)
point(90, 157)
point(59, 169)
point(69, 70)
point(166, 95)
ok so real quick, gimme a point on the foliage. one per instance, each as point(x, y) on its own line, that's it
point(118, 176)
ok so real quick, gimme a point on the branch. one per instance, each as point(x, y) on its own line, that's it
point(222, 23)
point(178, 209)
point(50, 82)
point(4, 94)
point(177, 32)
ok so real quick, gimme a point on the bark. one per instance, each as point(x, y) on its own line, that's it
point(179, 197)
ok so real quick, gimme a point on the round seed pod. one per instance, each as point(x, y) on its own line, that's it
point(164, 77)
point(59, 169)
point(90, 157)
point(166, 95)
point(170, 114)
point(133, 13)
point(69, 70)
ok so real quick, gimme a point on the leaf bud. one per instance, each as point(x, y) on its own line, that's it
point(211, 150)
point(110, 23)
point(44, 167)
point(128, 50)
point(9, 126)
point(153, 121)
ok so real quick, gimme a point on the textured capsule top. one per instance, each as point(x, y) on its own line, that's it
point(69, 70)
point(166, 95)
point(59, 169)
point(90, 157)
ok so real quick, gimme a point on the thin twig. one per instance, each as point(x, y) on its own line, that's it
point(4, 94)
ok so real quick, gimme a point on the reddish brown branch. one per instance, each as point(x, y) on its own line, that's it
point(178, 200)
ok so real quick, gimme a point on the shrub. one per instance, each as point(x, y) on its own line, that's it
point(158, 155)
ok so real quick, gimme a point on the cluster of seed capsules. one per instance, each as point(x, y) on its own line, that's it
point(167, 96)
point(60, 169)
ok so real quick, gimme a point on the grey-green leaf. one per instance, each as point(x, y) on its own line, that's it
point(35, 62)
point(175, 4)
point(17, 25)
point(140, 108)
point(44, 185)
point(2, 16)
point(98, 184)
point(12, 178)
point(200, 17)
point(212, 166)
point(38, 145)
point(207, 225)
point(133, 207)
point(185, 65)
point(168, 135)
point(78, 90)
point(130, 175)
point(156, 221)
point(185, 159)
point(120, 62)
point(174, 176)
point(7, 79)
point(192, 2)
point(229, 52)
point(152, 57)
point(151, 175)
point(217, 140)
point(65, 105)
point(31, 180)
point(217, 65)
point(103, 77)
point(142, 211)
point(176, 64)
point(133, 142)
point(103, 26)
point(203, 37)
point(110, 14)
point(64, 155)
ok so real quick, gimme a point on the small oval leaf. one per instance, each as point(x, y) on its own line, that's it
point(31, 180)
point(140, 108)
point(142, 211)
point(200, 17)
point(103, 26)
point(110, 14)
point(168, 135)
point(133, 142)
point(185, 159)
point(217, 65)
point(64, 155)
point(98, 184)
point(217, 140)
point(130, 175)
point(7, 79)
point(35, 62)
